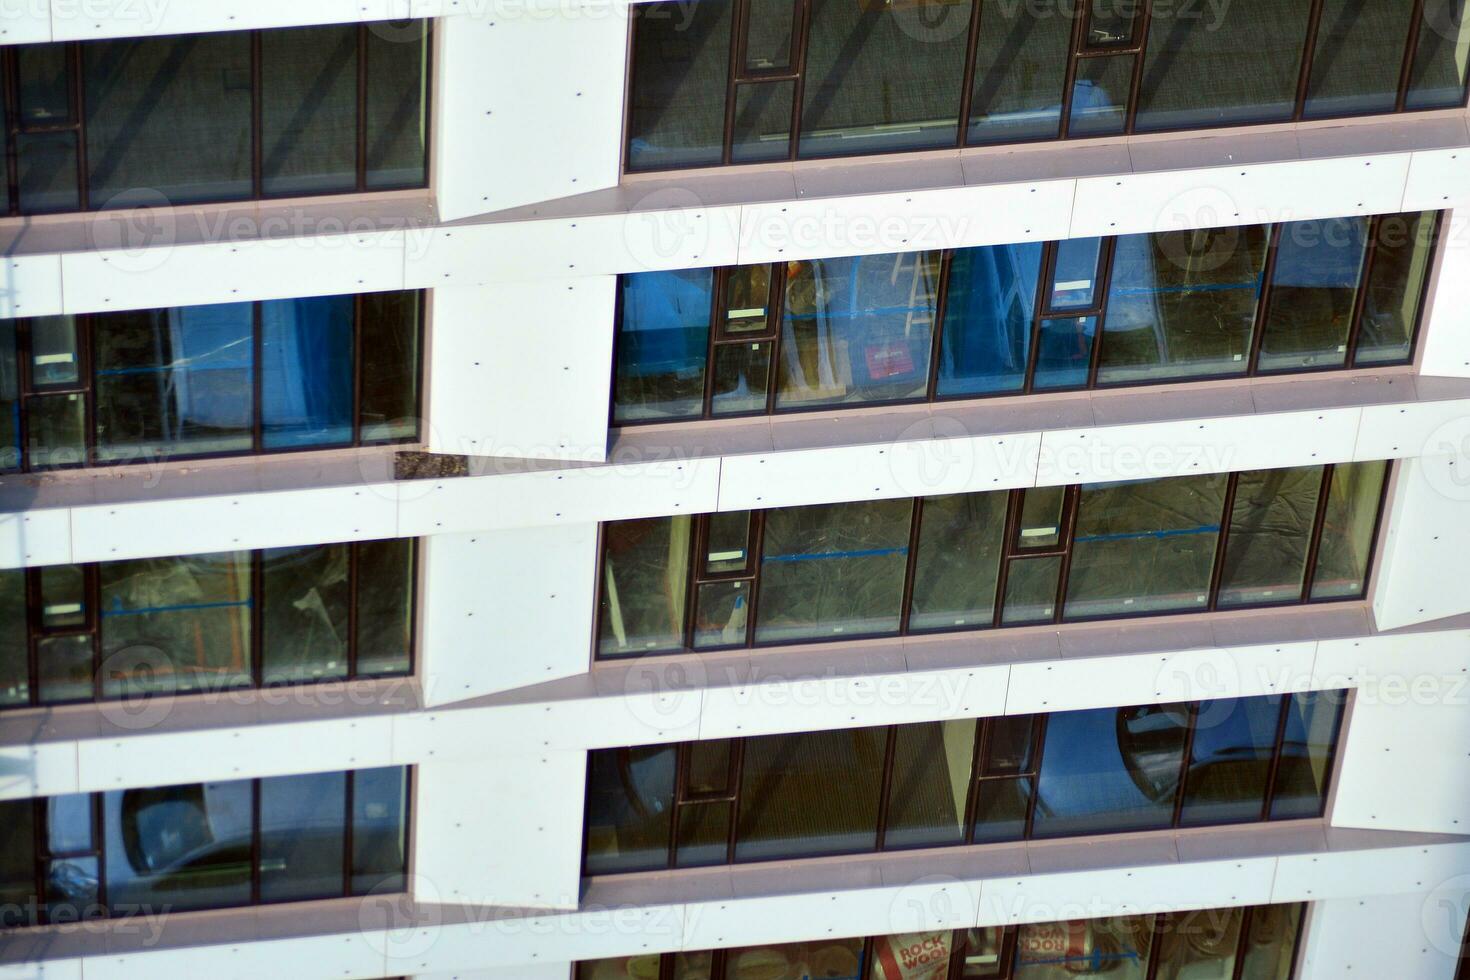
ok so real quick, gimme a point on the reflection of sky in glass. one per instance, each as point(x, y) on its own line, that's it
point(1086, 782)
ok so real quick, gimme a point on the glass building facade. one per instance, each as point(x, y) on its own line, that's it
point(230, 379)
point(230, 116)
point(1299, 296)
point(199, 623)
point(745, 81)
point(200, 846)
point(989, 559)
point(1254, 943)
point(950, 783)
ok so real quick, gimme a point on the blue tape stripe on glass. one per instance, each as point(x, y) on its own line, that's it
point(1204, 287)
point(814, 556)
point(185, 607)
point(171, 368)
point(1170, 533)
point(1096, 960)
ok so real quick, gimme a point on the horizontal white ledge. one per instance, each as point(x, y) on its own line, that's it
point(824, 458)
point(892, 894)
point(90, 263)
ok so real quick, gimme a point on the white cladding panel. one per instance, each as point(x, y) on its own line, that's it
point(530, 105)
point(1420, 571)
point(507, 834)
point(1446, 333)
point(47, 769)
point(1388, 936)
point(522, 369)
point(37, 537)
point(505, 609)
point(73, 21)
point(31, 284)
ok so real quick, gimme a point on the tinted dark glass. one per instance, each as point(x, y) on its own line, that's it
point(46, 172)
point(987, 319)
point(17, 862)
point(762, 125)
point(960, 542)
point(396, 110)
point(742, 378)
point(1270, 532)
point(1313, 288)
point(1100, 93)
point(681, 63)
point(1230, 760)
point(1402, 251)
point(14, 672)
point(1020, 73)
point(304, 613)
point(390, 365)
point(385, 602)
point(1347, 529)
point(9, 398)
point(930, 784)
point(308, 113)
point(379, 831)
point(1437, 76)
point(644, 573)
point(663, 344)
point(65, 666)
point(1064, 352)
point(1307, 749)
point(1360, 50)
point(306, 355)
point(630, 798)
point(301, 836)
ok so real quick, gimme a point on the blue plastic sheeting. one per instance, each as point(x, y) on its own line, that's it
point(987, 320)
point(665, 322)
point(817, 555)
point(306, 359)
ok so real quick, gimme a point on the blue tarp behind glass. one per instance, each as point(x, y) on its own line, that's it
point(987, 320)
point(306, 371)
point(663, 342)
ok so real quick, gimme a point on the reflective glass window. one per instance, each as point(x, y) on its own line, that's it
point(1270, 533)
point(1437, 76)
point(1020, 73)
point(1118, 949)
point(1201, 944)
point(17, 863)
point(305, 610)
point(644, 585)
point(1402, 250)
point(306, 354)
point(9, 398)
point(379, 857)
point(396, 104)
point(663, 344)
point(630, 798)
point(1314, 287)
point(308, 113)
point(301, 836)
point(385, 604)
point(960, 542)
point(1307, 748)
point(681, 65)
point(1347, 529)
point(930, 784)
point(390, 365)
point(1270, 950)
point(14, 638)
point(987, 318)
point(1230, 760)
point(1358, 57)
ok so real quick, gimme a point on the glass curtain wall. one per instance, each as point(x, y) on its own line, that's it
point(739, 81)
point(223, 380)
point(1322, 294)
point(981, 560)
point(230, 116)
point(66, 859)
point(963, 782)
point(196, 623)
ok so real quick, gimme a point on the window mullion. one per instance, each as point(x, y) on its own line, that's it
point(1193, 714)
point(1309, 50)
point(1222, 541)
point(1411, 48)
point(1270, 796)
point(1314, 546)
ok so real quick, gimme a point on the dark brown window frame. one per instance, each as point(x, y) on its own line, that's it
point(43, 853)
point(1078, 50)
point(1042, 310)
point(10, 74)
point(1163, 923)
point(984, 733)
point(92, 627)
point(1010, 553)
point(85, 387)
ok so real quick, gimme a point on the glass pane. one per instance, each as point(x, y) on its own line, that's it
point(308, 110)
point(379, 830)
point(960, 542)
point(1270, 945)
point(390, 366)
point(1118, 949)
point(177, 381)
point(57, 430)
point(385, 606)
point(687, 966)
point(1200, 944)
point(1020, 73)
point(64, 669)
point(1031, 591)
point(662, 342)
point(55, 356)
point(69, 824)
point(676, 97)
point(184, 847)
point(168, 119)
point(762, 125)
point(1360, 50)
point(983, 952)
point(833, 569)
point(728, 547)
point(1347, 529)
point(9, 398)
point(1064, 352)
point(747, 294)
point(836, 958)
point(72, 889)
point(930, 784)
point(1100, 96)
point(709, 768)
point(721, 614)
point(645, 569)
point(1040, 526)
point(46, 172)
point(1402, 248)
point(1230, 760)
point(15, 685)
point(630, 798)
point(1270, 532)
point(302, 836)
point(987, 319)
point(857, 330)
point(1300, 790)
point(1313, 289)
point(1145, 547)
point(43, 75)
point(1009, 750)
point(704, 835)
point(1001, 806)
point(883, 77)
point(17, 863)
point(1437, 77)
point(1182, 304)
point(304, 612)
point(742, 378)
point(1237, 64)
point(1074, 283)
point(397, 104)
point(811, 794)
point(63, 597)
point(1110, 769)
point(1111, 23)
point(306, 372)
point(768, 35)
point(913, 956)
point(175, 623)
point(642, 967)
